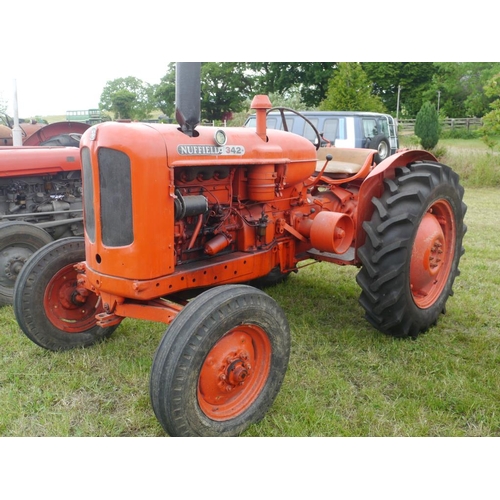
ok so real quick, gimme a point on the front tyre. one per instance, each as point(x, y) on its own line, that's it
point(51, 308)
point(221, 363)
point(412, 250)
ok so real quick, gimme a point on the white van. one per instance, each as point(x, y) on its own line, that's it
point(343, 129)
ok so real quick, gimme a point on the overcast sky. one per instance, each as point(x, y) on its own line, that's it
point(60, 54)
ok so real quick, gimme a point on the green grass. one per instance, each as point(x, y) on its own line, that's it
point(344, 377)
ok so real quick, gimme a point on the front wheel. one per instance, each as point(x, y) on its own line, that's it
point(51, 308)
point(412, 250)
point(221, 363)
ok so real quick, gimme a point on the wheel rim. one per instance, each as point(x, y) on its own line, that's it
point(432, 254)
point(383, 150)
point(234, 372)
point(12, 259)
point(69, 307)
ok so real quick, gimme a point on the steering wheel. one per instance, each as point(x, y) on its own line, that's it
point(282, 110)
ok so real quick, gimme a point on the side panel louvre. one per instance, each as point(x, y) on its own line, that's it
point(116, 198)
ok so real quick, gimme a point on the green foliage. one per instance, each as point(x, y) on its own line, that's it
point(309, 79)
point(350, 90)
point(130, 96)
point(227, 86)
point(413, 78)
point(491, 121)
point(461, 88)
point(164, 93)
point(224, 88)
point(427, 126)
point(459, 133)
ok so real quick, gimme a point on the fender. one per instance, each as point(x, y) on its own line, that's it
point(53, 129)
point(373, 185)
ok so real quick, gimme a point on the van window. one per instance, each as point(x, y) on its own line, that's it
point(370, 127)
point(384, 127)
point(334, 128)
point(307, 131)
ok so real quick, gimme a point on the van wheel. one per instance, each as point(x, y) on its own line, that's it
point(381, 144)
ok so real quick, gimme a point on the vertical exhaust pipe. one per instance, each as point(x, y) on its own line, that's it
point(188, 96)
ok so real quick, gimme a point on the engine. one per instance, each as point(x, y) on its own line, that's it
point(50, 200)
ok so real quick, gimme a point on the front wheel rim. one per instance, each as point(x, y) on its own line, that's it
point(234, 372)
point(69, 307)
point(432, 254)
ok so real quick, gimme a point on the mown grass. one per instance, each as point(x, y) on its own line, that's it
point(344, 377)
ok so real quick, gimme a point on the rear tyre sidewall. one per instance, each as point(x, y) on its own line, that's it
point(386, 256)
point(26, 237)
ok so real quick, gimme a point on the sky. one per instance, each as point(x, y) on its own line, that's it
point(59, 55)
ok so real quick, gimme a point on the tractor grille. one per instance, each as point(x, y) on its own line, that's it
point(88, 198)
point(116, 197)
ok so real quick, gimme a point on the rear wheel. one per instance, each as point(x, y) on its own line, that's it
point(412, 250)
point(18, 242)
point(51, 308)
point(221, 363)
point(68, 140)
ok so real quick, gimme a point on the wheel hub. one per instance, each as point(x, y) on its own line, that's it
point(68, 306)
point(432, 254)
point(11, 262)
point(234, 372)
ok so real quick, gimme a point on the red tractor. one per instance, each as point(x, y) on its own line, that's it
point(184, 224)
point(40, 201)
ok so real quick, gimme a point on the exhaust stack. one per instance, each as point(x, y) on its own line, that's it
point(188, 96)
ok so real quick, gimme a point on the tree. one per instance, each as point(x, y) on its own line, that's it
point(461, 88)
point(122, 103)
point(413, 78)
point(164, 94)
point(350, 90)
point(427, 125)
point(224, 90)
point(491, 121)
point(132, 96)
point(309, 79)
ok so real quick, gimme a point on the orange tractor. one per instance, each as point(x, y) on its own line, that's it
point(185, 223)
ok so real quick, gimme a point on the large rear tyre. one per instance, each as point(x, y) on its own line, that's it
point(51, 308)
point(412, 250)
point(221, 363)
point(18, 242)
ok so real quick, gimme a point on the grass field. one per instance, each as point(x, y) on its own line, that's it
point(344, 377)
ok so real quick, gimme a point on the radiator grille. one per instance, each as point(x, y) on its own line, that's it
point(116, 198)
point(88, 198)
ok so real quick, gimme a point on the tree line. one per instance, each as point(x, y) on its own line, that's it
point(457, 90)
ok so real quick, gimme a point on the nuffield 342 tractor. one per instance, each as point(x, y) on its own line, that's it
point(184, 223)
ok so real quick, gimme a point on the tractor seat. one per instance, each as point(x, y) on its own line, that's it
point(344, 160)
